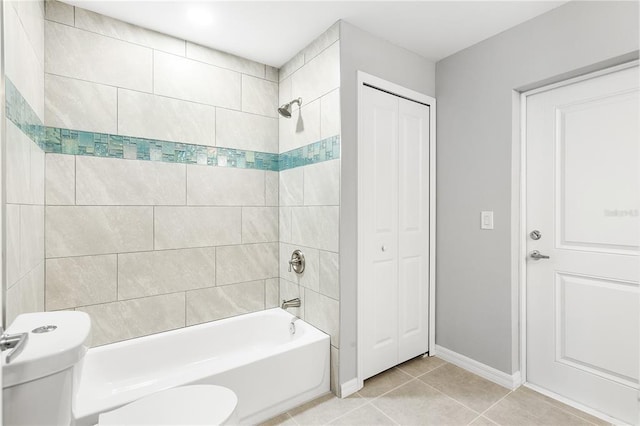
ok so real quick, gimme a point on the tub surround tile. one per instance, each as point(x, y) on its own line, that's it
point(272, 73)
point(325, 40)
point(259, 96)
point(116, 321)
point(319, 76)
point(138, 182)
point(87, 230)
point(302, 128)
point(310, 277)
point(84, 55)
point(57, 11)
point(221, 302)
point(292, 187)
point(334, 382)
point(417, 403)
point(226, 60)
point(322, 184)
point(12, 265)
point(284, 94)
point(330, 274)
point(195, 81)
point(110, 27)
point(285, 224)
point(272, 183)
point(79, 281)
point(187, 227)
point(18, 166)
point(272, 293)
point(315, 227)
point(76, 104)
point(36, 175)
point(259, 224)
point(316, 152)
point(168, 271)
point(60, 179)
point(323, 313)
point(158, 117)
point(31, 15)
point(471, 390)
point(292, 66)
point(330, 114)
point(219, 186)
point(27, 295)
point(31, 237)
point(241, 130)
point(246, 263)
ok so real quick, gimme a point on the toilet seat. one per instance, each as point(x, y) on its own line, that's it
point(185, 405)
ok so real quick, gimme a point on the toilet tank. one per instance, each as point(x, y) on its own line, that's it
point(40, 383)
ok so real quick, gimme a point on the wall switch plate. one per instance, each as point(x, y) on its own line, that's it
point(486, 220)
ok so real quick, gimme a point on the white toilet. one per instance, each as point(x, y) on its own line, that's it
point(41, 380)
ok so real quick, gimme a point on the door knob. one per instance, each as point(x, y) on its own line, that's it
point(537, 255)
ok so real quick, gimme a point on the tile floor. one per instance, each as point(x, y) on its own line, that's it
point(430, 391)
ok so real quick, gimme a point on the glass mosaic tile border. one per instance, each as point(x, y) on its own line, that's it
point(78, 142)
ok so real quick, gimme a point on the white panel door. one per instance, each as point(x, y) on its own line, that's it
point(413, 229)
point(583, 196)
point(380, 231)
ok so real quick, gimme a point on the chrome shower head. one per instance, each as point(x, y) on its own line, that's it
point(285, 110)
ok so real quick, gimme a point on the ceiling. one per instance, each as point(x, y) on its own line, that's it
point(272, 32)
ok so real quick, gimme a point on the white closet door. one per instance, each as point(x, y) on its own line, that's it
point(413, 229)
point(379, 239)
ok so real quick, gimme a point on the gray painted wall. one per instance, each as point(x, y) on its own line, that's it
point(362, 51)
point(477, 289)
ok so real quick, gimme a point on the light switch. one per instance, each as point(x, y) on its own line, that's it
point(486, 220)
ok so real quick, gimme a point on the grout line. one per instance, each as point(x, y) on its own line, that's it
point(491, 406)
point(453, 399)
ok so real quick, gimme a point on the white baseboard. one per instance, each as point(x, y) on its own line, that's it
point(350, 387)
point(511, 381)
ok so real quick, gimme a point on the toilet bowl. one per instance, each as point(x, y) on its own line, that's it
point(41, 380)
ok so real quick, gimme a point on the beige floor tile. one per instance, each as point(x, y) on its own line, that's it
point(365, 415)
point(383, 382)
point(416, 403)
point(283, 419)
point(564, 407)
point(469, 389)
point(523, 407)
point(420, 365)
point(482, 421)
point(325, 409)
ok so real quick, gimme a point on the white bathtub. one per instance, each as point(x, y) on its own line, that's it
point(255, 355)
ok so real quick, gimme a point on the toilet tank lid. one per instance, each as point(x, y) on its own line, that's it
point(48, 352)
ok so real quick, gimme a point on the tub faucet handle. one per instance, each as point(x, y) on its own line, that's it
point(297, 262)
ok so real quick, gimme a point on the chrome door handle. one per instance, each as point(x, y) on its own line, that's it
point(15, 342)
point(537, 255)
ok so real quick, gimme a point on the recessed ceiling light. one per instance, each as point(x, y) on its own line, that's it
point(199, 16)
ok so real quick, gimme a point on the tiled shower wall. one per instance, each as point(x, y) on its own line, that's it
point(148, 246)
point(310, 195)
point(24, 184)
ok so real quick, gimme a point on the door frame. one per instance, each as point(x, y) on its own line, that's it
point(522, 226)
point(395, 89)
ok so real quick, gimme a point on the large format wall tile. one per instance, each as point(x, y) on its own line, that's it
point(222, 186)
point(272, 293)
point(330, 114)
point(247, 262)
point(302, 128)
point(166, 271)
point(36, 174)
point(259, 96)
point(104, 25)
point(292, 187)
point(136, 183)
point(60, 179)
point(76, 104)
point(12, 226)
point(158, 117)
point(184, 227)
point(31, 14)
point(324, 313)
point(272, 183)
point(23, 64)
point(112, 322)
point(259, 224)
point(85, 230)
point(27, 295)
point(322, 184)
point(225, 60)
point(31, 237)
point(194, 81)
point(326, 39)
point(221, 302)
point(315, 227)
point(318, 77)
point(285, 224)
point(72, 52)
point(18, 165)
point(330, 274)
point(235, 129)
point(79, 281)
point(59, 12)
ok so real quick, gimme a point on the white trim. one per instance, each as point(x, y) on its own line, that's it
point(393, 88)
point(350, 387)
point(522, 263)
point(511, 381)
point(575, 405)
